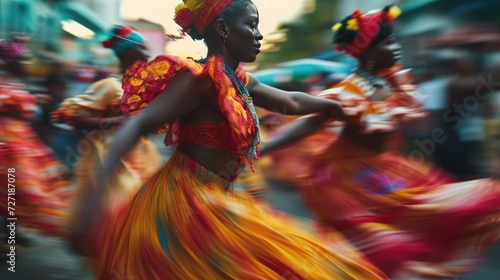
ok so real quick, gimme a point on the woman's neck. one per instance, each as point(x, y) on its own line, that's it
point(365, 67)
point(233, 64)
point(372, 78)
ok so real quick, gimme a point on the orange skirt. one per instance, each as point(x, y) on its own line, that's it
point(188, 223)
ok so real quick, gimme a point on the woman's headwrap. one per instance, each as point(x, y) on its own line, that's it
point(198, 13)
point(123, 38)
point(358, 32)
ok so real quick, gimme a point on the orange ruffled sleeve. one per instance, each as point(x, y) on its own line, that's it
point(143, 81)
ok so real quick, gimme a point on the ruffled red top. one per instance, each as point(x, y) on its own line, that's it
point(143, 81)
point(211, 134)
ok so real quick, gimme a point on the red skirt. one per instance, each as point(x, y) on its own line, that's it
point(403, 214)
point(39, 189)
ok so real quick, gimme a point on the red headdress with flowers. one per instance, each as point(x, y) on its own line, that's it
point(198, 14)
point(365, 27)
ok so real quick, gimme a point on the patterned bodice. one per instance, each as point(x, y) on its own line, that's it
point(213, 134)
point(143, 81)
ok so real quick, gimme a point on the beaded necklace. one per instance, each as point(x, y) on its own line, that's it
point(247, 100)
point(373, 80)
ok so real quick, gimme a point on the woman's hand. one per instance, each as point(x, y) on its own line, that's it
point(357, 119)
point(354, 110)
point(337, 111)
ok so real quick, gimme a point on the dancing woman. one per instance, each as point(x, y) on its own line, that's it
point(186, 222)
point(40, 186)
point(97, 114)
point(406, 216)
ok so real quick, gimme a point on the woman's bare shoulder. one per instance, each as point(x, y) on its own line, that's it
point(195, 84)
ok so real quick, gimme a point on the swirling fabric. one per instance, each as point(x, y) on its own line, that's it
point(40, 189)
point(188, 223)
point(404, 214)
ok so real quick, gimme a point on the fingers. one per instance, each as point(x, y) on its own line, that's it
point(355, 111)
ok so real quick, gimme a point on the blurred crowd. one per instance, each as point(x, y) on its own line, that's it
point(52, 79)
point(460, 77)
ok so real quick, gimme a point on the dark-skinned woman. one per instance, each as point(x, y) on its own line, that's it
point(187, 222)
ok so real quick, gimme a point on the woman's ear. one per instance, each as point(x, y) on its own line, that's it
point(221, 28)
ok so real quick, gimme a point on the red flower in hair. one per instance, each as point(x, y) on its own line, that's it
point(386, 18)
point(357, 14)
point(184, 17)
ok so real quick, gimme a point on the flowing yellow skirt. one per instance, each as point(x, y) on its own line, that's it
point(140, 164)
point(188, 223)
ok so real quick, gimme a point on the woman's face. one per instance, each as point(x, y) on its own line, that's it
point(243, 35)
point(386, 54)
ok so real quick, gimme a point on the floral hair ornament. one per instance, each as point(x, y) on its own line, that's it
point(184, 18)
point(197, 14)
point(355, 21)
point(367, 27)
point(391, 13)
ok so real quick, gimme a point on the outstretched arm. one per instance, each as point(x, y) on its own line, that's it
point(297, 130)
point(82, 123)
point(352, 110)
point(181, 96)
point(291, 103)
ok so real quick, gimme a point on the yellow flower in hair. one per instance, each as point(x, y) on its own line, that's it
point(336, 27)
point(180, 7)
point(352, 24)
point(394, 12)
point(183, 15)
